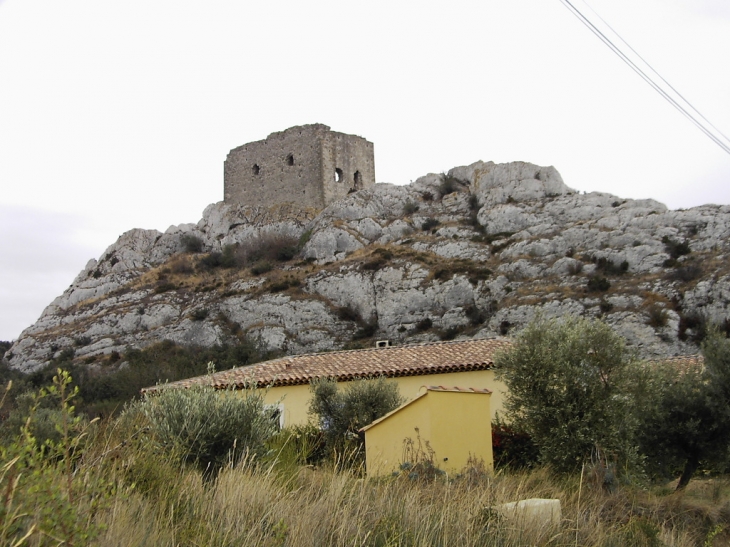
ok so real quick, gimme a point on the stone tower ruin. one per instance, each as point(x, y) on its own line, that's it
point(309, 166)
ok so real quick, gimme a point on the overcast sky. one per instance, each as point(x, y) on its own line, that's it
point(116, 115)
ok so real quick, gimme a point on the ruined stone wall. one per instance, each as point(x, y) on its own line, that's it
point(348, 165)
point(308, 165)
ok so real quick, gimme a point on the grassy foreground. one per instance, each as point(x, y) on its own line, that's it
point(327, 507)
point(124, 494)
point(119, 484)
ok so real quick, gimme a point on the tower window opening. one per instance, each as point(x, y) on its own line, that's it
point(358, 180)
point(255, 169)
point(290, 159)
point(338, 175)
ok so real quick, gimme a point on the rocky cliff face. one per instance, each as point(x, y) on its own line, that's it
point(474, 253)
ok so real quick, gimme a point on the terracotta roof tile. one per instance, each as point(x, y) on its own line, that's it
point(394, 361)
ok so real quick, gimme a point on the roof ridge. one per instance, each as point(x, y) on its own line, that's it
point(374, 348)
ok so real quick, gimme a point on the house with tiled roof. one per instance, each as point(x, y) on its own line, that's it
point(463, 364)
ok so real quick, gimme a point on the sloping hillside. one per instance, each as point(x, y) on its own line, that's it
point(476, 252)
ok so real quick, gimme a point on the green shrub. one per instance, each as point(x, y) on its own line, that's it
point(424, 324)
point(410, 207)
point(263, 249)
point(675, 248)
point(609, 267)
point(261, 267)
point(512, 448)
point(568, 386)
point(342, 412)
point(367, 329)
point(692, 326)
point(165, 286)
point(450, 184)
point(199, 314)
point(82, 341)
point(598, 284)
point(296, 446)
point(4, 347)
point(686, 422)
point(348, 313)
point(475, 315)
point(686, 273)
point(210, 428)
point(211, 260)
point(450, 333)
point(45, 501)
point(191, 243)
point(429, 223)
point(658, 316)
point(284, 284)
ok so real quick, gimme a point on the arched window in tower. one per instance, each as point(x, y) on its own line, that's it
point(338, 175)
point(358, 180)
point(255, 169)
point(290, 159)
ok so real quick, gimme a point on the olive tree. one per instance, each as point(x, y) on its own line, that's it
point(208, 427)
point(342, 412)
point(568, 388)
point(686, 423)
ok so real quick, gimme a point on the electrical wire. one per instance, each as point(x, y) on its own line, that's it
point(655, 71)
point(606, 40)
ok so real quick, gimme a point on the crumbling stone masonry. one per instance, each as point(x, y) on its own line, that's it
point(307, 165)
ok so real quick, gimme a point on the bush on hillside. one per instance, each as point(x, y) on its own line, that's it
point(263, 249)
point(191, 243)
point(568, 389)
point(209, 428)
point(342, 412)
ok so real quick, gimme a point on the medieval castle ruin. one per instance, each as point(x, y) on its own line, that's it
point(307, 165)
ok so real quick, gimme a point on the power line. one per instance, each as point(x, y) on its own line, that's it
point(583, 19)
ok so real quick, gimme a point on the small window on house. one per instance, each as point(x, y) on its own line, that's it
point(338, 175)
point(255, 169)
point(358, 180)
point(290, 159)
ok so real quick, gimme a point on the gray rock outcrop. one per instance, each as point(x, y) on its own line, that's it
point(477, 252)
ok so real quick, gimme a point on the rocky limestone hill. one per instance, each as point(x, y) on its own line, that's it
point(474, 253)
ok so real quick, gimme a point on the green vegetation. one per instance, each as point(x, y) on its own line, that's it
point(118, 483)
point(208, 428)
point(258, 253)
point(410, 207)
point(429, 224)
point(675, 248)
point(598, 283)
point(450, 184)
point(103, 392)
point(609, 267)
point(4, 347)
point(191, 243)
point(204, 467)
point(475, 271)
point(568, 383)
point(342, 412)
point(688, 425)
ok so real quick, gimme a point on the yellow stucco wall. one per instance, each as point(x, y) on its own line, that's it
point(448, 422)
point(294, 400)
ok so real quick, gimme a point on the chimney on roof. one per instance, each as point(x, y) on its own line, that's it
point(382, 344)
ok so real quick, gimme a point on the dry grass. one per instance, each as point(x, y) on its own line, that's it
point(329, 507)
